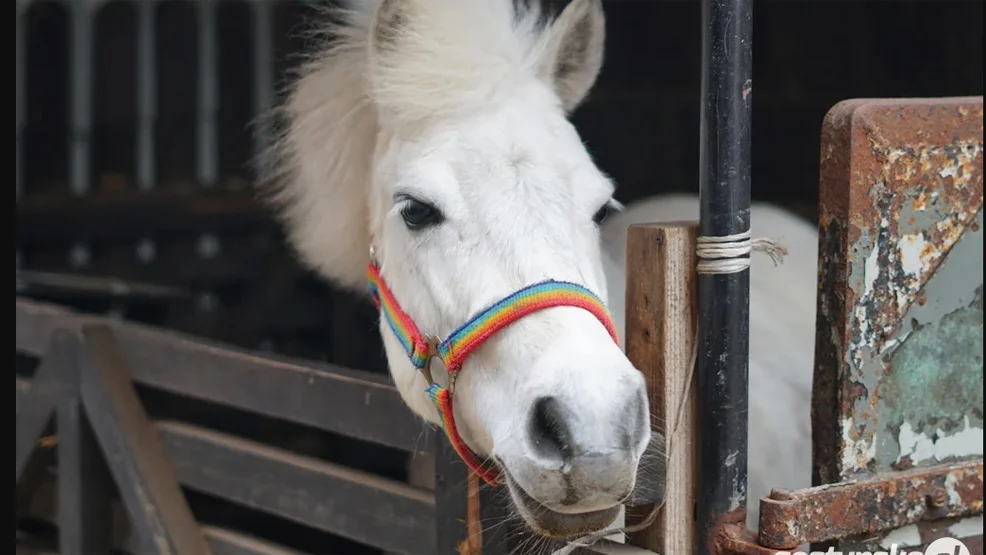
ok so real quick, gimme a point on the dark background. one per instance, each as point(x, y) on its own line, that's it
point(238, 282)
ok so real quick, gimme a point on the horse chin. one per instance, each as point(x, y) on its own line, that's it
point(554, 525)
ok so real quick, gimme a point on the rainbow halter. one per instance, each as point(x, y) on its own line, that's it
point(454, 350)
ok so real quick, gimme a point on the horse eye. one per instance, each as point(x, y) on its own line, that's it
point(603, 213)
point(418, 215)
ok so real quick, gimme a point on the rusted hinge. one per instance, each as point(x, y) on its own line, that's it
point(792, 518)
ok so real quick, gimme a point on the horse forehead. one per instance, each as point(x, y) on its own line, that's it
point(524, 165)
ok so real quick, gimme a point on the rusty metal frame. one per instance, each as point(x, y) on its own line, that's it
point(900, 206)
point(791, 518)
point(893, 173)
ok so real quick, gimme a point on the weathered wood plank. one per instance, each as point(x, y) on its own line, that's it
point(35, 324)
point(84, 482)
point(40, 399)
point(343, 501)
point(136, 457)
point(22, 386)
point(223, 541)
point(228, 542)
point(356, 404)
point(471, 515)
point(352, 403)
point(661, 301)
point(606, 547)
point(35, 472)
point(59, 218)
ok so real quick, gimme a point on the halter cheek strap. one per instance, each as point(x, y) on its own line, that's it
point(455, 348)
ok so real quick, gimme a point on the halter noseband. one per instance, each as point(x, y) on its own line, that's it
point(455, 348)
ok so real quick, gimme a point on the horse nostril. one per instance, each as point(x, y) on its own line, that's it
point(549, 432)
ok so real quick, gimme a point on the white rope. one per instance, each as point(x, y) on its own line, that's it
point(727, 254)
point(731, 253)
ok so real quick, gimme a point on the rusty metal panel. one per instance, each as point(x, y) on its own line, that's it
point(899, 346)
point(791, 518)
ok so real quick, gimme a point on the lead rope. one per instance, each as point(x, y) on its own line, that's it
point(727, 254)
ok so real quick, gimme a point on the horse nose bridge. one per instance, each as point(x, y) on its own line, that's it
point(614, 419)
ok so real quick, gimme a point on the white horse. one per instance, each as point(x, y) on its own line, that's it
point(436, 132)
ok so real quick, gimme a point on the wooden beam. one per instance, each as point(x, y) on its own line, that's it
point(35, 323)
point(347, 502)
point(329, 397)
point(349, 402)
point(661, 312)
point(84, 482)
point(37, 405)
point(136, 457)
point(472, 518)
point(107, 216)
point(229, 542)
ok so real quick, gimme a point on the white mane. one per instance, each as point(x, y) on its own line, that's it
point(456, 57)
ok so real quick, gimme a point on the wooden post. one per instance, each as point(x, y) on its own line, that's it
point(468, 514)
point(661, 318)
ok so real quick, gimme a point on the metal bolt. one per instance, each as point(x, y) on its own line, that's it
point(208, 246)
point(146, 250)
point(206, 302)
point(937, 498)
point(781, 494)
point(79, 256)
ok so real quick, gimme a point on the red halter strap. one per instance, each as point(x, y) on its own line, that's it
point(454, 349)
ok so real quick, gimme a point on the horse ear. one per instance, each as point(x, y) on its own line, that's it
point(389, 21)
point(573, 53)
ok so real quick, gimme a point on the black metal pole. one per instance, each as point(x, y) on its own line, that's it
point(724, 299)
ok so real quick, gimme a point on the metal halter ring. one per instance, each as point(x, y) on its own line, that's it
point(432, 343)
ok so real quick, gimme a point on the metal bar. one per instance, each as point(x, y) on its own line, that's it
point(207, 150)
point(146, 94)
point(263, 73)
point(792, 518)
point(80, 93)
point(20, 87)
point(724, 172)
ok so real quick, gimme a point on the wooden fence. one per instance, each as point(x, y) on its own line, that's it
point(84, 385)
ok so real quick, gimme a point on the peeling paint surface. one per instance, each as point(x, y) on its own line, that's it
point(899, 346)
